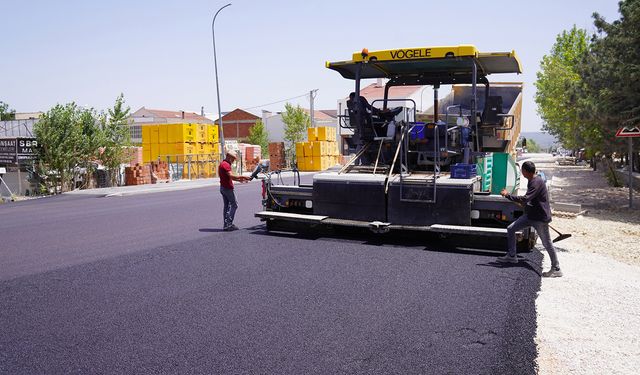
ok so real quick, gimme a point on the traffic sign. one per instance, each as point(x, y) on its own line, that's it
point(628, 131)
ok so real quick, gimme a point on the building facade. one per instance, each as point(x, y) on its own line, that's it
point(237, 124)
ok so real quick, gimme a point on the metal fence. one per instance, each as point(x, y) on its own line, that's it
point(191, 166)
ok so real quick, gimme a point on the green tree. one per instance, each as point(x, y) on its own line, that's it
point(258, 136)
point(296, 121)
point(611, 77)
point(92, 138)
point(6, 114)
point(58, 133)
point(556, 86)
point(116, 138)
point(69, 138)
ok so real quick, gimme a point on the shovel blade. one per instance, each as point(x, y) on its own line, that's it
point(561, 237)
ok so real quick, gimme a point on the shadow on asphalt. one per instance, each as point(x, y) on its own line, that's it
point(210, 230)
point(523, 263)
point(423, 241)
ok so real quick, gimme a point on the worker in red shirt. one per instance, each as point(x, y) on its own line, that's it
point(226, 189)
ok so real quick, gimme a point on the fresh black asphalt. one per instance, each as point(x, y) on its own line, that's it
point(149, 284)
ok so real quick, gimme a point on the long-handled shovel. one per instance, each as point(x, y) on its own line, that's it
point(560, 235)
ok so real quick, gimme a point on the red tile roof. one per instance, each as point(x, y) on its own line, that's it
point(238, 114)
point(320, 115)
point(375, 91)
point(176, 114)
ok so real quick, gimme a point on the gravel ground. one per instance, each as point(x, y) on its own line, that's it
point(588, 320)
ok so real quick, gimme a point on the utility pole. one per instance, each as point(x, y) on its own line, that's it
point(312, 95)
point(630, 157)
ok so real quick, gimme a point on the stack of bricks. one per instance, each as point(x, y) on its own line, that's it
point(137, 175)
point(251, 164)
point(160, 171)
point(277, 158)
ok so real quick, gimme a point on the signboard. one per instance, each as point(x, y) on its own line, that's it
point(17, 150)
point(26, 149)
point(628, 131)
point(8, 150)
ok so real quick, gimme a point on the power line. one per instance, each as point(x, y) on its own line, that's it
point(279, 101)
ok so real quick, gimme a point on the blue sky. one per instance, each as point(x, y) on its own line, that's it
point(160, 54)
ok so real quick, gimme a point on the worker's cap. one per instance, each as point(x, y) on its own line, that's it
point(232, 153)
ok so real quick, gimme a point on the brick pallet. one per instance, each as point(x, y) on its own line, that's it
point(137, 175)
point(160, 170)
point(147, 174)
point(277, 158)
point(251, 164)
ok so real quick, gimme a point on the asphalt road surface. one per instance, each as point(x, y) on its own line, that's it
point(150, 284)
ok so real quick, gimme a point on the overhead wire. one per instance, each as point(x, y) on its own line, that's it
point(276, 102)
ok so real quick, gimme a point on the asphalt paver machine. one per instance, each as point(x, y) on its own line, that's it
point(439, 171)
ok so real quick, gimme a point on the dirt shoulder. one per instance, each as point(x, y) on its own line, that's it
point(607, 226)
point(588, 320)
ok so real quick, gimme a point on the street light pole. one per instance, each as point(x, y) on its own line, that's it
point(215, 63)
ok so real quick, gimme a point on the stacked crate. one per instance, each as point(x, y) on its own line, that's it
point(137, 175)
point(176, 141)
point(277, 158)
point(320, 151)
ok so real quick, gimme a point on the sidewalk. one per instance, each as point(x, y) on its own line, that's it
point(121, 191)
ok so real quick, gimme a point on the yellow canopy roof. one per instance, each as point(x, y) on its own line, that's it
point(452, 64)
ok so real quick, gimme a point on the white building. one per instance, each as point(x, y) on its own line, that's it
point(275, 126)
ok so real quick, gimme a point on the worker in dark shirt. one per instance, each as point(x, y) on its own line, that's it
point(226, 189)
point(537, 214)
point(351, 103)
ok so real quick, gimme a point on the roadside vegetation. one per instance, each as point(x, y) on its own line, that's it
point(258, 135)
point(74, 141)
point(587, 87)
point(6, 114)
point(296, 122)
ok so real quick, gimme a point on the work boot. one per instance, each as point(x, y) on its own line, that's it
point(553, 272)
point(508, 259)
point(230, 228)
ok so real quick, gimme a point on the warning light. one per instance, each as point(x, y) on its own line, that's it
point(365, 52)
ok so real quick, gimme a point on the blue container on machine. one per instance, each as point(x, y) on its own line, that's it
point(461, 170)
point(417, 132)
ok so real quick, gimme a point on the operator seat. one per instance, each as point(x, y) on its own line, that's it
point(360, 112)
point(386, 128)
